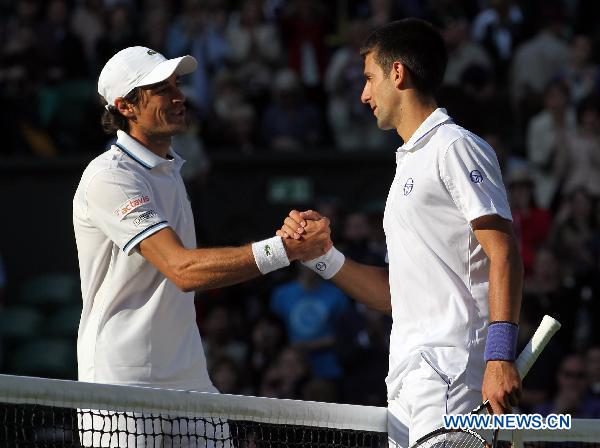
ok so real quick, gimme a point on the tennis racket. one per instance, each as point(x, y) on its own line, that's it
point(465, 438)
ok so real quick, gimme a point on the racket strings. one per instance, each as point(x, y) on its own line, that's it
point(456, 439)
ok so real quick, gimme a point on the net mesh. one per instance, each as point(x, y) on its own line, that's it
point(37, 412)
point(44, 426)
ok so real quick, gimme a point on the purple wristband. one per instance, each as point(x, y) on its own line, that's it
point(501, 344)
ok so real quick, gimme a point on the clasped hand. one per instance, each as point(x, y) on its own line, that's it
point(306, 235)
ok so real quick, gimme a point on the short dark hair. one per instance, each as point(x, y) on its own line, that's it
point(112, 120)
point(417, 45)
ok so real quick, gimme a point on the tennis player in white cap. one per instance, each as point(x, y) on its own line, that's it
point(137, 252)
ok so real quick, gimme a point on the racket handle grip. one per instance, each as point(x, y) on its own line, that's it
point(538, 342)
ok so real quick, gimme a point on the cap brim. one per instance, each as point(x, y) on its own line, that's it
point(181, 66)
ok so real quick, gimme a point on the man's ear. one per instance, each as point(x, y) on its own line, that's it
point(124, 107)
point(399, 74)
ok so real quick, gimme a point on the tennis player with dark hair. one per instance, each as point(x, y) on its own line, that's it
point(136, 243)
point(455, 274)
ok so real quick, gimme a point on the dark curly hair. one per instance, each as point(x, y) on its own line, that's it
point(112, 120)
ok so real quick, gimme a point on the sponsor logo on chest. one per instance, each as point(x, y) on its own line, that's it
point(130, 205)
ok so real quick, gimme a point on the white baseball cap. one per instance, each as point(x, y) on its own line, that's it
point(136, 67)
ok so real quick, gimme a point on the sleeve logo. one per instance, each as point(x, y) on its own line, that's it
point(144, 217)
point(476, 176)
point(130, 205)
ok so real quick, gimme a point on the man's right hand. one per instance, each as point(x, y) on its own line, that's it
point(294, 226)
point(313, 235)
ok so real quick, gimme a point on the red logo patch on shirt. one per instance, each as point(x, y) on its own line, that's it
point(130, 205)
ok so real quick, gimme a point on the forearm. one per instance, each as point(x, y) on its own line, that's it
point(366, 284)
point(498, 241)
point(201, 269)
point(506, 283)
point(501, 381)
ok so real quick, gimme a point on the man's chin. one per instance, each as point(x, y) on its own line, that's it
point(384, 126)
point(176, 129)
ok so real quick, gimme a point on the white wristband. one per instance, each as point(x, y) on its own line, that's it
point(327, 265)
point(270, 255)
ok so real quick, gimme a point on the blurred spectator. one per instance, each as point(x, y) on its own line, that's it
point(330, 206)
point(537, 60)
point(357, 242)
point(546, 133)
point(226, 376)
point(577, 242)
point(582, 150)
point(67, 86)
point(462, 51)
point(573, 395)
point(255, 48)
point(2, 283)
point(18, 48)
point(156, 21)
point(290, 122)
point(189, 146)
point(498, 29)
point(219, 339)
point(200, 31)
point(231, 121)
point(120, 26)
point(356, 233)
point(318, 389)
point(363, 334)
point(286, 377)
point(477, 102)
point(303, 27)
point(581, 74)
point(538, 386)
point(506, 160)
point(310, 308)
point(267, 338)
point(531, 223)
point(87, 22)
point(2, 304)
point(574, 234)
point(592, 361)
point(20, 80)
point(351, 121)
point(545, 291)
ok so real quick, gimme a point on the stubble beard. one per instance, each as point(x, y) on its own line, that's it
point(168, 131)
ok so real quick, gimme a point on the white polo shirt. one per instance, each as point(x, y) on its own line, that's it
point(446, 177)
point(136, 327)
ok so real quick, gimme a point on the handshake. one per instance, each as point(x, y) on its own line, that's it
point(306, 237)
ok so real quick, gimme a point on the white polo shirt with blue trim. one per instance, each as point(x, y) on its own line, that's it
point(136, 327)
point(445, 178)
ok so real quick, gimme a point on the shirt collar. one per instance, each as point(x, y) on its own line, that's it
point(437, 118)
point(143, 155)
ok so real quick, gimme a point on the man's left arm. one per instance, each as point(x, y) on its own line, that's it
point(501, 381)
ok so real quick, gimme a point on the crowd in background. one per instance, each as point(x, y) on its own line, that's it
point(286, 76)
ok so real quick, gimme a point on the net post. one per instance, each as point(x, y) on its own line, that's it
point(517, 441)
point(514, 437)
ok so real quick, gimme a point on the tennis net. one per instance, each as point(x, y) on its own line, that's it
point(39, 412)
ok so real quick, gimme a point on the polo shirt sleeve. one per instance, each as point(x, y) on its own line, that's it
point(471, 174)
point(122, 206)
